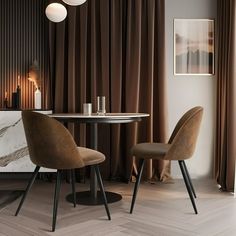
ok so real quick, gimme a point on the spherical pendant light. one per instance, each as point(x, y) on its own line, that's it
point(74, 2)
point(56, 12)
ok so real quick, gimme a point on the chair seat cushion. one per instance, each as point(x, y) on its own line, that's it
point(90, 157)
point(150, 150)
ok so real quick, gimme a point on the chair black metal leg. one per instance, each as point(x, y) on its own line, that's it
point(33, 177)
point(189, 179)
point(187, 185)
point(73, 186)
point(102, 190)
point(56, 199)
point(140, 171)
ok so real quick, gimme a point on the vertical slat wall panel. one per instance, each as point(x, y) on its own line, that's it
point(23, 39)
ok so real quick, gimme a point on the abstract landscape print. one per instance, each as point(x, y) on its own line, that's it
point(193, 47)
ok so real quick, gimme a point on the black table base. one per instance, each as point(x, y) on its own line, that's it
point(85, 198)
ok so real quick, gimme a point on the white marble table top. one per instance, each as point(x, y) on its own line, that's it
point(96, 116)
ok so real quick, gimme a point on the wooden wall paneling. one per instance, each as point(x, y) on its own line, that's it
point(23, 39)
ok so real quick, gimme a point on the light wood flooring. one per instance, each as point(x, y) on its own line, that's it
point(162, 209)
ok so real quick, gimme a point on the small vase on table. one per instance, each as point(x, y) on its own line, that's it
point(37, 99)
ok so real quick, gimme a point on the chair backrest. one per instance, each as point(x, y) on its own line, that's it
point(50, 144)
point(184, 137)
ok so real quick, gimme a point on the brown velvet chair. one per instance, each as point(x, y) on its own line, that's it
point(180, 147)
point(51, 145)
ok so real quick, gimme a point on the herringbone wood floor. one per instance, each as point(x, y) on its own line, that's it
point(161, 209)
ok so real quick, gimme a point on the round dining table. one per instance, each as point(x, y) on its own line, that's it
point(93, 196)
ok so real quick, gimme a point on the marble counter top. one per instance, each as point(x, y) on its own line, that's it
point(13, 146)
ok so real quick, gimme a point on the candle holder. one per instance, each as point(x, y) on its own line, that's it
point(87, 109)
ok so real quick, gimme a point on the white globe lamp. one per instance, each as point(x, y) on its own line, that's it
point(56, 12)
point(74, 2)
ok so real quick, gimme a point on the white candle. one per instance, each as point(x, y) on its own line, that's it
point(37, 99)
point(87, 108)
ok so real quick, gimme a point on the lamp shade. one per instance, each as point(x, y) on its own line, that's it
point(74, 2)
point(56, 12)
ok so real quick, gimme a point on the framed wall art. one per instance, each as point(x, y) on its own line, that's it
point(194, 49)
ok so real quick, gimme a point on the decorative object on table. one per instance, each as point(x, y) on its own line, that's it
point(5, 103)
point(34, 77)
point(101, 105)
point(16, 96)
point(87, 108)
point(14, 100)
point(193, 47)
point(56, 12)
point(37, 99)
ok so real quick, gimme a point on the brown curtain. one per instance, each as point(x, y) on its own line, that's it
point(113, 48)
point(226, 95)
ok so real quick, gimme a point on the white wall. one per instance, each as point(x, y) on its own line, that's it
point(185, 92)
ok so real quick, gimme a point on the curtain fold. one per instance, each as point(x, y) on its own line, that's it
point(114, 48)
point(225, 154)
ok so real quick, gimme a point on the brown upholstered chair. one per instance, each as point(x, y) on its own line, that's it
point(181, 146)
point(52, 146)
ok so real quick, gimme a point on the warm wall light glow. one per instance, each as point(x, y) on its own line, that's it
point(56, 12)
point(34, 74)
point(34, 77)
point(74, 2)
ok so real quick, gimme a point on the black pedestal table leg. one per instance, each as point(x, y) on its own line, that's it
point(94, 145)
point(93, 196)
